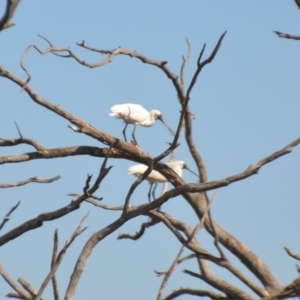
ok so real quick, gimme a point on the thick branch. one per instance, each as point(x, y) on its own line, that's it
point(64, 152)
point(228, 289)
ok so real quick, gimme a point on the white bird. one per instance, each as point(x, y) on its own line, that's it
point(137, 115)
point(155, 177)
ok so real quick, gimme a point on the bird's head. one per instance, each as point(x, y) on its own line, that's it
point(156, 114)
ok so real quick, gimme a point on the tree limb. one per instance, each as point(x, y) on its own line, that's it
point(13, 284)
point(32, 179)
point(287, 35)
point(38, 221)
point(53, 260)
point(289, 252)
point(6, 218)
point(194, 292)
point(60, 256)
point(297, 3)
point(63, 152)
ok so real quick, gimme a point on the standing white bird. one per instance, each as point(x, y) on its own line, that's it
point(137, 115)
point(155, 177)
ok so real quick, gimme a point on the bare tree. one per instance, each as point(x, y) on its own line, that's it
point(195, 194)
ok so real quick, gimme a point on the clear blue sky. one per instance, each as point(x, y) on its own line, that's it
point(246, 105)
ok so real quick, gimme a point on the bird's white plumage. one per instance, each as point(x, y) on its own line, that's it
point(137, 115)
point(134, 114)
point(154, 176)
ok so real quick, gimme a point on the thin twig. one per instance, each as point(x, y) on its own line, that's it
point(32, 179)
point(287, 35)
point(22, 140)
point(53, 260)
point(184, 62)
point(291, 254)
point(6, 218)
point(139, 233)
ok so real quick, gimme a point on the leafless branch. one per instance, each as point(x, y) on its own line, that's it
point(230, 290)
point(28, 287)
point(188, 116)
point(92, 198)
point(13, 284)
point(32, 179)
point(38, 221)
point(19, 131)
point(139, 233)
point(168, 273)
point(60, 256)
point(292, 290)
point(177, 259)
point(287, 35)
point(103, 172)
point(53, 260)
point(11, 5)
point(297, 3)
point(289, 252)
point(21, 140)
point(6, 218)
point(107, 207)
point(87, 184)
point(201, 65)
point(194, 292)
point(15, 296)
point(61, 152)
point(193, 245)
point(184, 62)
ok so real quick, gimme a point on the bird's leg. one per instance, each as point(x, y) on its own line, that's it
point(124, 132)
point(149, 193)
point(153, 191)
point(133, 131)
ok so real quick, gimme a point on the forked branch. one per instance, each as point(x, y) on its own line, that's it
point(60, 256)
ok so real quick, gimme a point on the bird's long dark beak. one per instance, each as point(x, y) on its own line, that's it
point(163, 121)
point(186, 167)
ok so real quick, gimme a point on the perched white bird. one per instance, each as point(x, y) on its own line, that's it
point(137, 115)
point(155, 177)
